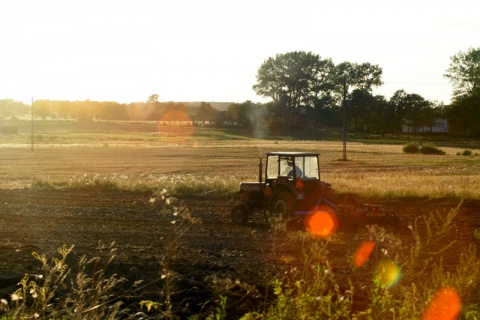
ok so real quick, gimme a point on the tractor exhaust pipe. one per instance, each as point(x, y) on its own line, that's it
point(260, 174)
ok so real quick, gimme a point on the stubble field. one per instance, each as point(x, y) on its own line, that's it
point(188, 263)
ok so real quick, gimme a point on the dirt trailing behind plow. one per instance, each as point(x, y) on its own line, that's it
point(207, 259)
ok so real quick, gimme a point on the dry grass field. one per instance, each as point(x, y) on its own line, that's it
point(148, 154)
point(51, 196)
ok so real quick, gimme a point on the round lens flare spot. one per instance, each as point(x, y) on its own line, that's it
point(445, 305)
point(175, 126)
point(387, 273)
point(363, 253)
point(321, 224)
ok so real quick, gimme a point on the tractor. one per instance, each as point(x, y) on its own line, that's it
point(291, 188)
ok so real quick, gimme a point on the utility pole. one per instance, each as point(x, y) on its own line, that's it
point(344, 113)
point(31, 131)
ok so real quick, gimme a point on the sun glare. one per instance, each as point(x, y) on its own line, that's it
point(175, 126)
point(363, 253)
point(321, 223)
point(388, 273)
point(445, 305)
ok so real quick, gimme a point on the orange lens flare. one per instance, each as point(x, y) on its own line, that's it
point(321, 224)
point(363, 253)
point(445, 305)
point(175, 126)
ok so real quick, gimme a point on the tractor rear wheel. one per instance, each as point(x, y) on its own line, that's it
point(240, 213)
point(282, 204)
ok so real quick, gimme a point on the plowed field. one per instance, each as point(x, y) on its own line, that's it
point(209, 258)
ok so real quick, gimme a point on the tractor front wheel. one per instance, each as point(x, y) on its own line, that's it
point(282, 204)
point(240, 213)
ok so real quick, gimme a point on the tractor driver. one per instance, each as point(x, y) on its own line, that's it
point(298, 172)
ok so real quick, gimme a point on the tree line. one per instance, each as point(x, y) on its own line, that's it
point(13, 109)
point(306, 92)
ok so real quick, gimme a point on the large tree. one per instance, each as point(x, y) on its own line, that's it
point(464, 73)
point(349, 76)
point(353, 76)
point(291, 79)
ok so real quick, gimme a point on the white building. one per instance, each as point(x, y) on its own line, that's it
point(439, 126)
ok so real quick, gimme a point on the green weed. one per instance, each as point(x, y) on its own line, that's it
point(405, 276)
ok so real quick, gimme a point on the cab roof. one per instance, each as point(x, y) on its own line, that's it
point(292, 153)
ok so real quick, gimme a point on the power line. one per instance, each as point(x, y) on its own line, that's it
point(441, 83)
point(393, 75)
point(412, 75)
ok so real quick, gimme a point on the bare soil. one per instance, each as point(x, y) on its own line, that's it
point(211, 258)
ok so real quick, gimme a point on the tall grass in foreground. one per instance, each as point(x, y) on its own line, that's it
point(398, 280)
point(56, 293)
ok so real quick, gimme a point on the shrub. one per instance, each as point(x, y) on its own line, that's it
point(411, 148)
point(466, 152)
point(431, 149)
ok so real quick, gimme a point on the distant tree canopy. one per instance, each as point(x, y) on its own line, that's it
point(363, 76)
point(12, 108)
point(153, 98)
point(464, 115)
point(293, 79)
point(300, 81)
point(464, 74)
point(411, 109)
point(205, 113)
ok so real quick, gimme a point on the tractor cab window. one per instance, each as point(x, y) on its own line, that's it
point(273, 167)
point(279, 166)
point(310, 167)
point(305, 167)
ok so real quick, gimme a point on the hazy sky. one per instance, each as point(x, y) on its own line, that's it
point(210, 50)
